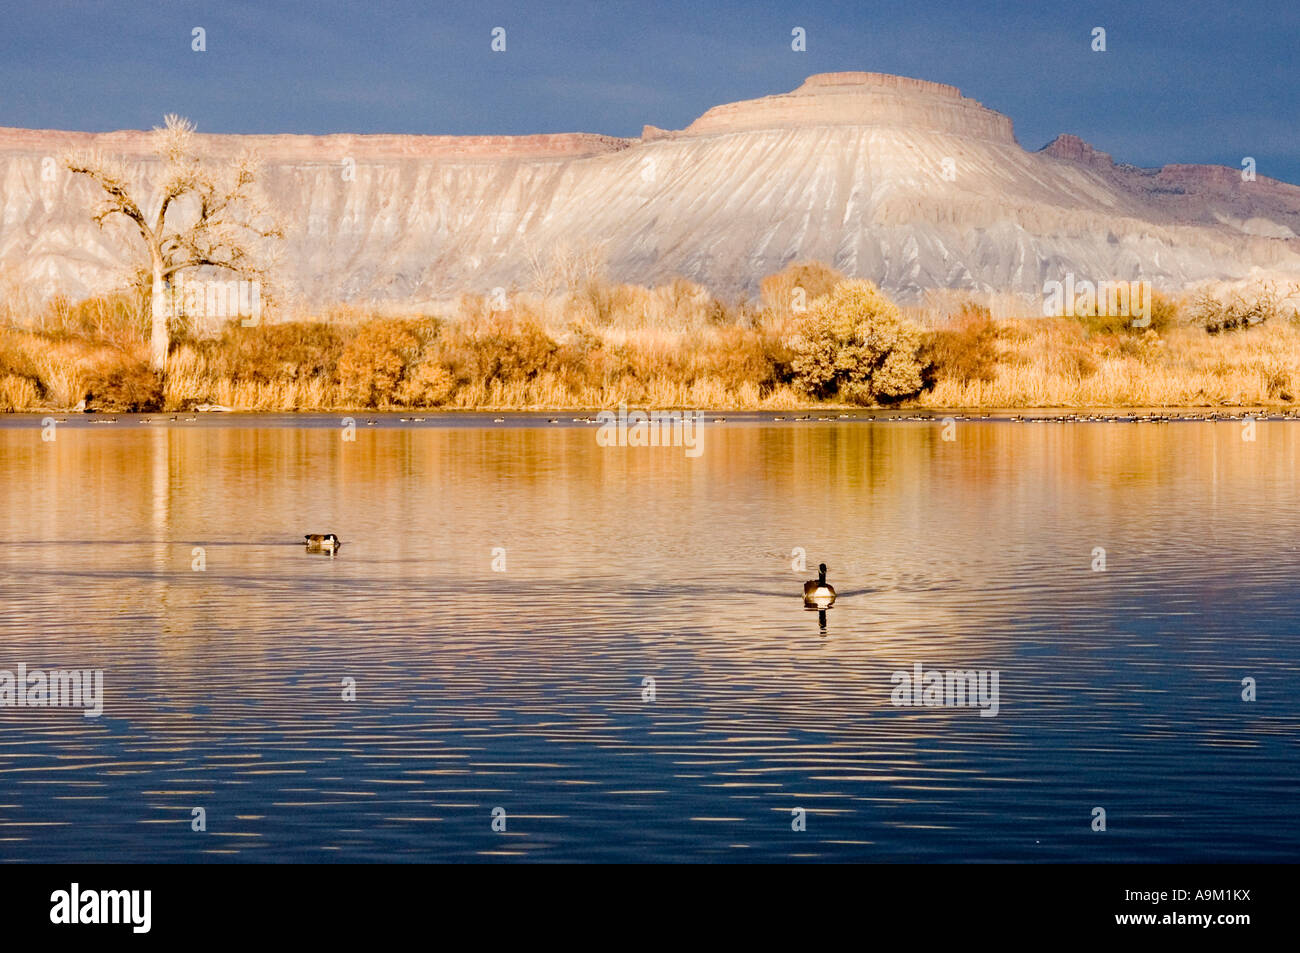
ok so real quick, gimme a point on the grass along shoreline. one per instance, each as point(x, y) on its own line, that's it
point(600, 345)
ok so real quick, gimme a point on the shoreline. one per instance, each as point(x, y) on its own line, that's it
point(567, 356)
point(363, 418)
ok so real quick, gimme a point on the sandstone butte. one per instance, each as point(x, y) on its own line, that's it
point(903, 181)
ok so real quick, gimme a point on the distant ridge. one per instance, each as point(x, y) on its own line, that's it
point(899, 180)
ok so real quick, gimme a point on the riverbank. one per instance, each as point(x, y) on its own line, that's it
point(355, 422)
point(671, 347)
point(1039, 363)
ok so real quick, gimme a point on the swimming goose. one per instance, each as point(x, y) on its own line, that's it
point(817, 593)
point(322, 543)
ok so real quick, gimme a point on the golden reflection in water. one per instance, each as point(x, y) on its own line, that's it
point(623, 562)
point(418, 504)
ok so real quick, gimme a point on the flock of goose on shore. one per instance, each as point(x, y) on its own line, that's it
point(1077, 417)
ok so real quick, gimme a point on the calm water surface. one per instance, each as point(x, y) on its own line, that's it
point(523, 689)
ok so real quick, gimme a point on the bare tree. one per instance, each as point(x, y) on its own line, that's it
point(218, 217)
point(545, 281)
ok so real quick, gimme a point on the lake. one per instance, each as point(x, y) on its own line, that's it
point(486, 636)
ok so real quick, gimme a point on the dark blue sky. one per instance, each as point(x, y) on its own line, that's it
point(1181, 82)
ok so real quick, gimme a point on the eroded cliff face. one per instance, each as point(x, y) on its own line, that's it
point(905, 182)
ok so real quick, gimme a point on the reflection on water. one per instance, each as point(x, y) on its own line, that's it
point(524, 688)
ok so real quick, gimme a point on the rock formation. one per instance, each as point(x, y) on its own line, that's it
point(898, 180)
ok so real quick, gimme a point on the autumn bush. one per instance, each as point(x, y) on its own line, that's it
point(427, 384)
point(739, 354)
point(1244, 308)
point(269, 353)
point(20, 377)
point(16, 358)
point(374, 362)
point(1164, 312)
point(127, 387)
point(966, 350)
point(504, 347)
point(855, 344)
point(120, 320)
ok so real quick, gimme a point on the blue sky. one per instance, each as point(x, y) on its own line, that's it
point(1179, 82)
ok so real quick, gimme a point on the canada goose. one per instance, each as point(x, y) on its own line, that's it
point(817, 593)
point(322, 543)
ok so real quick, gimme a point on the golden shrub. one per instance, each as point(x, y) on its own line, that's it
point(127, 387)
point(966, 351)
point(855, 343)
point(427, 384)
point(373, 363)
